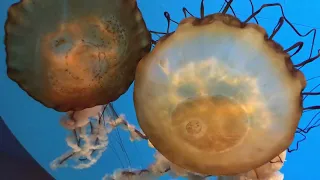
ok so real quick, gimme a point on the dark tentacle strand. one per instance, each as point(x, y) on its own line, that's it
point(186, 11)
point(252, 11)
point(277, 28)
point(298, 142)
point(278, 161)
point(167, 15)
point(233, 12)
point(306, 95)
point(313, 123)
point(157, 33)
point(202, 9)
point(227, 7)
point(309, 60)
point(297, 45)
point(311, 93)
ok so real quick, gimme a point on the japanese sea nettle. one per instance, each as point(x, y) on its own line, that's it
point(218, 97)
point(75, 54)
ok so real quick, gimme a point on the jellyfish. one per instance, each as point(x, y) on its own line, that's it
point(218, 96)
point(74, 54)
point(217, 81)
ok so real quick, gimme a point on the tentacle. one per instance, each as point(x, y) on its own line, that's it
point(186, 11)
point(297, 45)
point(314, 31)
point(226, 8)
point(202, 9)
point(277, 28)
point(297, 144)
point(88, 140)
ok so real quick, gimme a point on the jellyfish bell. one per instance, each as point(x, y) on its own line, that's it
point(218, 97)
point(75, 54)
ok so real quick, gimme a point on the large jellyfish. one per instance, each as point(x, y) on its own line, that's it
point(74, 54)
point(219, 96)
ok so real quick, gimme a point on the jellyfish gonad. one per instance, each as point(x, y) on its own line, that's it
point(218, 96)
point(74, 54)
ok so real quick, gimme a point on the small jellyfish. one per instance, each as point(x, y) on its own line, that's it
point(74, 54)
point(218, 96)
